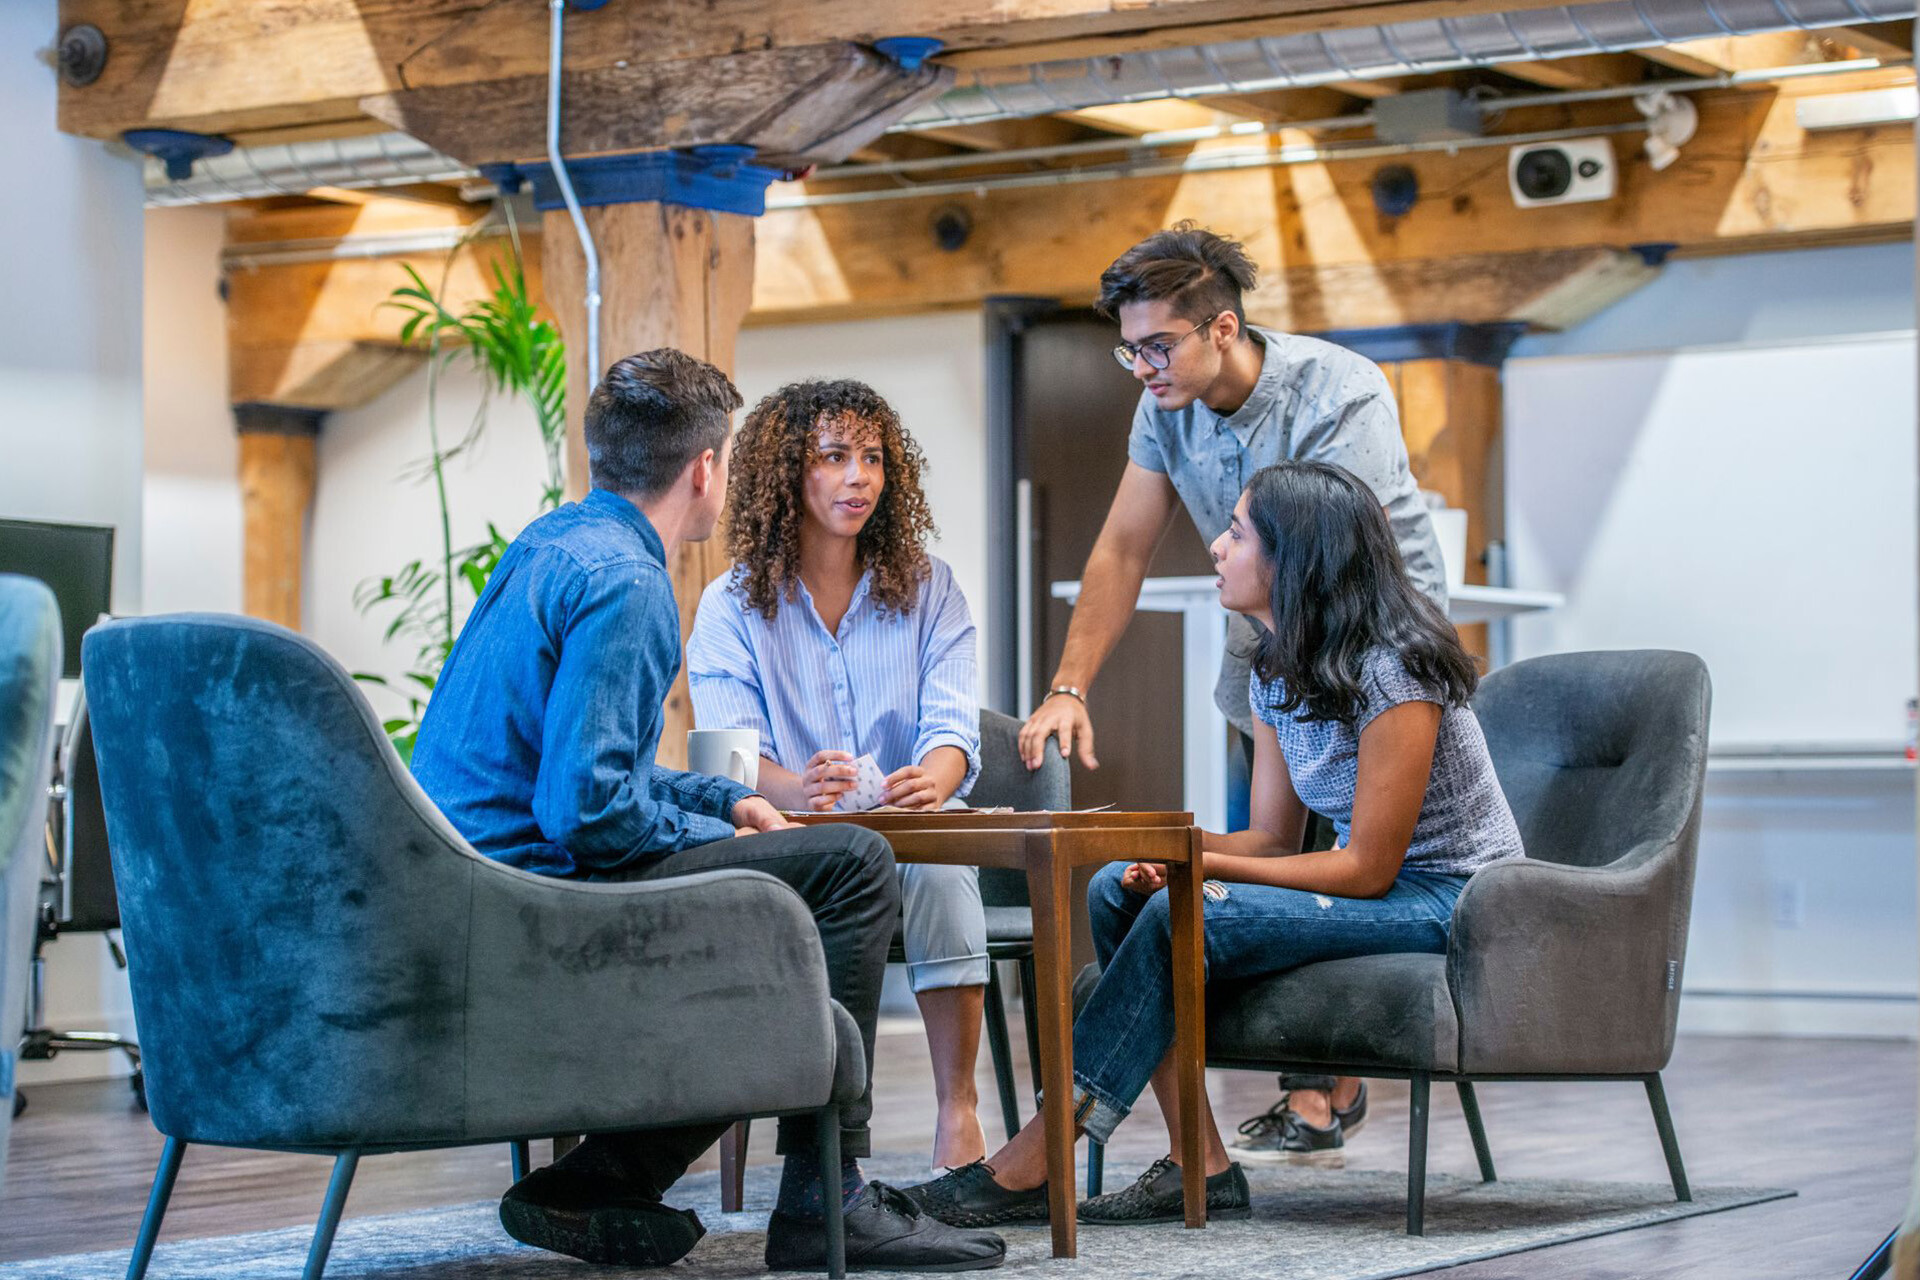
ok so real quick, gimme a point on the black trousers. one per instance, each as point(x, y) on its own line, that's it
point(845, 874)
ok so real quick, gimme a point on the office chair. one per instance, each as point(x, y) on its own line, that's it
point(77, 896)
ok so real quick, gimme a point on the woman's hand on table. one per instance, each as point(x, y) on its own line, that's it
point(828, 776)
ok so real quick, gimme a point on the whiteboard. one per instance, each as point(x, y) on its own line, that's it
point(1755, 505)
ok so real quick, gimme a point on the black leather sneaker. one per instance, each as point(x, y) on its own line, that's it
point(1155, 1196)
point(1280, 1135)
point(597, 1220)
point(969, 1197)
point(885, 1232)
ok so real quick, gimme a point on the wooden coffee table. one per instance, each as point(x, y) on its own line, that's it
point(1048, 846)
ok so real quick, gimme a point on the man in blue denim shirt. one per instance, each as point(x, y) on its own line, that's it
point(539, 746)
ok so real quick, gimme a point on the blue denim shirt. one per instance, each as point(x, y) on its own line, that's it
point(539, 740)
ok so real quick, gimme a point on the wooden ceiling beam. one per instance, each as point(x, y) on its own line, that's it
point(1750, 178)
point(1725, 54)
point(795, 107)
point(221, 66)
point(1008, 135)
point(1890, 40)
point(1588, 71)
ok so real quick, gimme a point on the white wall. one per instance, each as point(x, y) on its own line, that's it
point(1804, 907)
point(70, 392)
point(370, 517)
point(191, 520)
point(70, 334)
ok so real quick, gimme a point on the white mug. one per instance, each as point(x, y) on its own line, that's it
point(725, 753)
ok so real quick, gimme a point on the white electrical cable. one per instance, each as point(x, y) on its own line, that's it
point(558, 9)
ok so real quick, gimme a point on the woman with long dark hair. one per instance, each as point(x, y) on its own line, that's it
point(1360, 688)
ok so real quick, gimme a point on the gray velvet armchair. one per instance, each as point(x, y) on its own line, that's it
point(29, 674)
point(1564, 964)
point(320, 963)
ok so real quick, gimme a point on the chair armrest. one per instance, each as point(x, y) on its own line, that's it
point(1565, 969)
point(596, 1006)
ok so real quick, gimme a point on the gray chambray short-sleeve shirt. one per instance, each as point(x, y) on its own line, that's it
point(1313, 401)
point(1464, 821)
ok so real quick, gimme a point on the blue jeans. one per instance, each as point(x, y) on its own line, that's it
point(1126, 1027)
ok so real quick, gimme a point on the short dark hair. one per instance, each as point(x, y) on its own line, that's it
point(1341, 589)
point(1200, 272)
point(653, 414)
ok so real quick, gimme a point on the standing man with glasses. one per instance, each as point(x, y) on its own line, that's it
point(1221, 400)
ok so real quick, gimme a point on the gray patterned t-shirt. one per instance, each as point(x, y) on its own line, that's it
point(1464, 821)
point(1313, 401)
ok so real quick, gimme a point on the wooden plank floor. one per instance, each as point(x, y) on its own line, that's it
point(81, 1158)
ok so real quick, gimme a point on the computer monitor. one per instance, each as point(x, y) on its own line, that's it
point(75, 560)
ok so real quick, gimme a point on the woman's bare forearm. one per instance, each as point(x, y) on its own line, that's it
point(782, 786)
point(1342, 873)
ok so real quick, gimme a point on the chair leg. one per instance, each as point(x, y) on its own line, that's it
point(1002, 1051)
point(1481, 1151)
point(1029, 1006)
point(1096, 1167)
point(156, 1207)
point(521, 1157)
point(1417, 1157)
point(733, 1165)
point(337, 1187)
point(1669, 1144)
point(829, 1124)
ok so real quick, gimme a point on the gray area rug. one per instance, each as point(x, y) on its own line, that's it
point(1308, 1224)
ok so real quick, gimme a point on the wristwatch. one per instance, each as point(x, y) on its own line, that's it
point(1070, 691)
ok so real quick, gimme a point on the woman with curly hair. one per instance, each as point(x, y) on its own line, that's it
point(837, 635)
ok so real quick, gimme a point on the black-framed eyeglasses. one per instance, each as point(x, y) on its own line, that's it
point(1157, 354)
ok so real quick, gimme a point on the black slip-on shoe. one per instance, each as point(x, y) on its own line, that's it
point(1351, 1118)
point(1155, 1197)
point(1279, 1135)
point(969, 1197)
point(596, 1220)
point(885, 1232)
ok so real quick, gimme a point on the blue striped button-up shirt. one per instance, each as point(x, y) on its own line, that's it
point(891, 685)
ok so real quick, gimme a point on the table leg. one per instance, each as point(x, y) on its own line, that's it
point(1184, 899)
point(1050, 888)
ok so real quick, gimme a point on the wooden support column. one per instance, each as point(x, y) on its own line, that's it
point(276, 492)
point(1450, 414)
point(670, 276)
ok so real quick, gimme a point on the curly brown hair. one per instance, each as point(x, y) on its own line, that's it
point(770, 455)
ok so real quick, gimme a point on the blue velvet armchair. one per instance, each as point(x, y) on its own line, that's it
point(29, 674)
point(376, 984)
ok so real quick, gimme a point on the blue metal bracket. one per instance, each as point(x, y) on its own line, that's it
point(908, 52)
point(177, 148)
point(720, 178)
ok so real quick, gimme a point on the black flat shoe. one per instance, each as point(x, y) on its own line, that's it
point(1155, 1197)
point(1279, 1135)
point(596, 1220)
point(969, 1197)
point(885, 1232)
point(1351, 1118)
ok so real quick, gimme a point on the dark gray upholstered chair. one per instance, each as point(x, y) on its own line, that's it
point(29, 676)
point(1564, 964)
point(1005, 782)
point(321, 964)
